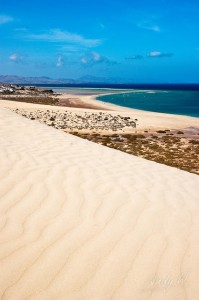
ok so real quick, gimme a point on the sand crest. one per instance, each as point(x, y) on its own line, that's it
point(80, 221)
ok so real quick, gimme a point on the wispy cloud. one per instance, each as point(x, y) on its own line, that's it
point(5, 19)
point(93, 58)
point(21, 29)
point(73, 49)
point(57, 35)
point(102, 26)
point(136, 56)
point(60, 62)
point(152, 54)
point(149, 25)
point(158, 54)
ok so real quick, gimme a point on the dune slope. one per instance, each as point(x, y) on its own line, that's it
point(80, 221)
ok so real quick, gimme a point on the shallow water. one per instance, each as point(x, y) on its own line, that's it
point(171, 102)
point(86, 91)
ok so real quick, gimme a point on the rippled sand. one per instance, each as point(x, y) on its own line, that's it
point(80, 221)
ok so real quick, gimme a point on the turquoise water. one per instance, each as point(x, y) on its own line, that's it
point(171, 102)
point(85, 91)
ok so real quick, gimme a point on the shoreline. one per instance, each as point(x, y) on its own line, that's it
point(159, 120)
point(147, 120)
point(167, 139)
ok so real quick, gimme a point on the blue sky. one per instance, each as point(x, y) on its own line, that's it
point(130, 41)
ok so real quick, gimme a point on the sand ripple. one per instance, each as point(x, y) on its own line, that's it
point(81, 221)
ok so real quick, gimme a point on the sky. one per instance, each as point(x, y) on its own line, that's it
point(143, 41)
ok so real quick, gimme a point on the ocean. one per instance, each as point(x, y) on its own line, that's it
point(180, 99)
point(170, 102)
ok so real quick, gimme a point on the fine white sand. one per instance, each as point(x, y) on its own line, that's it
point(80, 221)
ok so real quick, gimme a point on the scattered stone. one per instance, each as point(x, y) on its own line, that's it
point(102, 121)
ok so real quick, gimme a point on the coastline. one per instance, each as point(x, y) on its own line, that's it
point(163, 138)
point(146, 120)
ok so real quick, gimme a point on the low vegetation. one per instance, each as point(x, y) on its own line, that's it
point(46, 100)
point(173, 151)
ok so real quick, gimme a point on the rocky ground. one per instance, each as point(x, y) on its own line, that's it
point(84, 121)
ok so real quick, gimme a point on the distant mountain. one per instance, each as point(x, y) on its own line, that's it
point(14, 79)
point(33, 80)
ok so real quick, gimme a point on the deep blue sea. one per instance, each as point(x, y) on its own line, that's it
point(180, 99)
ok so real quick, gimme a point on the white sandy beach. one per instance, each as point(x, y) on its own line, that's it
point(146, 120)
point(80, 221)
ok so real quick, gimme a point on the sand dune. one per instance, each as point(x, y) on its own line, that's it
point(80, 221)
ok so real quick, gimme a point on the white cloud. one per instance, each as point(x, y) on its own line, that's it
point(97, 57)
point(154, 54)
point(15, 57)
point(60, 62)
point(135, 56)
point(94, 58)
point(5, 19)
point(154, 28)
point(148, 26)
point(84, 60)
point(159, 54)
point(57, 35)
